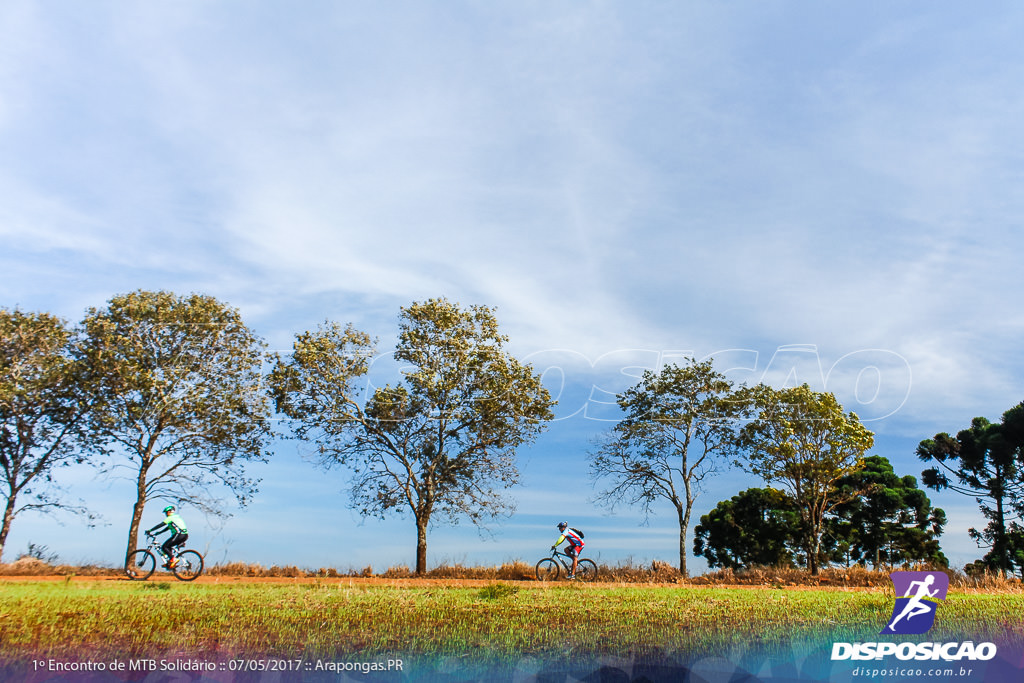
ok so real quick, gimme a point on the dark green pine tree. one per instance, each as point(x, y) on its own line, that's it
point(754, 527)
point(892, 523)
point(985, 462)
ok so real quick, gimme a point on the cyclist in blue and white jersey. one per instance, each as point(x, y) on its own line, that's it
point(576, 544)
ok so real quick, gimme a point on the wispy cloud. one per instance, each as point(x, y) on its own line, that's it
point(743, 181)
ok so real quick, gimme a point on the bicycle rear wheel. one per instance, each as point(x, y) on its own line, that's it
point(547, 570)
point(189, 566)
point(586, 571)
point(140, 565)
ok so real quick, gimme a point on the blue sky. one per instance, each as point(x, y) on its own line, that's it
point(829, 194)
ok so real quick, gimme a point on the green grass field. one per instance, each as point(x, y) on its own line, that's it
point(111, 618)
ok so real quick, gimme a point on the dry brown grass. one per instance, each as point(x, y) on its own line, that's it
point(851, 577)
point(30, 566)
point(509, 571)
point(777, 577)
point(259, 571)
point(626, 573)
point(986, 581)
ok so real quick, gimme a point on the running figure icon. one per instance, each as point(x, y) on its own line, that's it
point(921, 593)
point(915, 606)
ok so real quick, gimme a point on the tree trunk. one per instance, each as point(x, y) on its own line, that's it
point(999, 544)
point(421, 546)
point(813, 547)
point(133, 529)
point(684, 525)
point(5, 528)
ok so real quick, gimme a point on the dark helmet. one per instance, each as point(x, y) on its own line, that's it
point(169, 508)
point(562, 525)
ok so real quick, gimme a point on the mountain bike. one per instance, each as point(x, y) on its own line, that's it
point(548, 569)
point(142, 562)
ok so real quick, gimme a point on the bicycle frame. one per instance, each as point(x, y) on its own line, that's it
point(558, 555)
point(157, 547)
point(565, 559)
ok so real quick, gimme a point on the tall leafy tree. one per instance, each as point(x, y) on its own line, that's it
point(804, 441)
point(183, 406)
point(891, 522)
point(985, 462)
point(43, 404)
point(439, 443)
point(754, 527)
point(679, 423)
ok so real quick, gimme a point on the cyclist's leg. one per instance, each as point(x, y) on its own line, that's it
point(170, 544)
point(176, 541)
point(574, 552)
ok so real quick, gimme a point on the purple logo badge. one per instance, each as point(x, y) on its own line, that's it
point(917, 597)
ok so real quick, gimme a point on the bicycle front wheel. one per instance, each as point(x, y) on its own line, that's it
point(189, 566)
point(140, 565)
point(586, 571)
point(547, 570)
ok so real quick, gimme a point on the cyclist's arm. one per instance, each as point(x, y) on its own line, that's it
point(158, 529)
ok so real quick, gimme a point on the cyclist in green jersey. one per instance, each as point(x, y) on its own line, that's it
point(172, 522)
